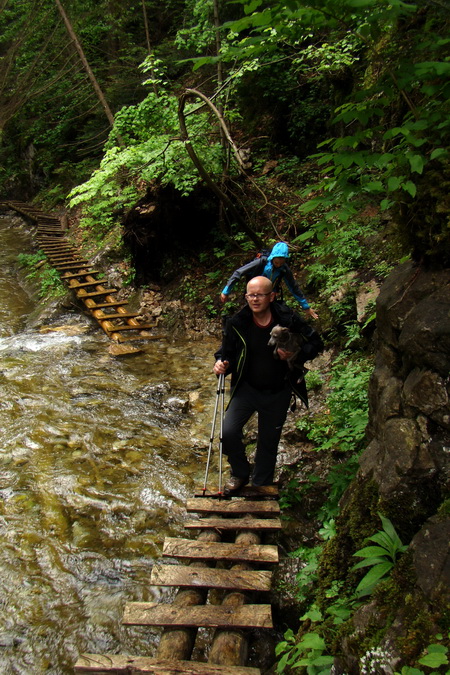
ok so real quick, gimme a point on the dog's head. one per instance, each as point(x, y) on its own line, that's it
point(280, 333)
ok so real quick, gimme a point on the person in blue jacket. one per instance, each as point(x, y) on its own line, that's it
point(275, 268)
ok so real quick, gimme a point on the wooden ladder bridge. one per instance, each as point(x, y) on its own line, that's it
point(221, 585)
point(98, 297)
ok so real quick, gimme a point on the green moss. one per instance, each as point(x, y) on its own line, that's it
point(358, 519)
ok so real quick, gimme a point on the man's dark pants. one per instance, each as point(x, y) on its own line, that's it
point(272, 409)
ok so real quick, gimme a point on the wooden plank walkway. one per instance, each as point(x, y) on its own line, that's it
point(199, 566)
point(112, 315)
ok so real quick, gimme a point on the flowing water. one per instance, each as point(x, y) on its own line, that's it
point(97, 457)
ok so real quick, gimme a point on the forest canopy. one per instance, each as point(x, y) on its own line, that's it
point(359, 89)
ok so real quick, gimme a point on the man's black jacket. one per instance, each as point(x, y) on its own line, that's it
point(235, 344)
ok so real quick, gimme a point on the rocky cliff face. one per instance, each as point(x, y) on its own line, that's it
point(404, 472)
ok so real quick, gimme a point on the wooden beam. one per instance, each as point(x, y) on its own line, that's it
point(232, 506)
point(189, 548)
point(191, 577)
point(234, 524)
point(127, 665)
point(209, 616)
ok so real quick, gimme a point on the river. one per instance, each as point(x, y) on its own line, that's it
point(97, 457)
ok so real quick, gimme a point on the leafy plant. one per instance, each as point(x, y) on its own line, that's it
point(47, 277)
point(342, 426)
point(308, 573)
point(436, 656)
point(381, 558)
point(308, 652)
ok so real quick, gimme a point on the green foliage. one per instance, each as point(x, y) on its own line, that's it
point(381, 558)
point(153, 154)
point(339, 478)
point(307, 575)
point(342, 426)
point(309, 653)
point(313, 380)
point(46, 277)
point(436, 656)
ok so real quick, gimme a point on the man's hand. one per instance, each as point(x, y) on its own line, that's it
point(283, 354)
point(223, 297)
point(221, 367)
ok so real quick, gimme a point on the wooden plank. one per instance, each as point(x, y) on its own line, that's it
point(107, 291)
point(234, 524)
point(79, 274)
point(197, 577)
point(209, 616)
point(136, 338)
point(99, 305)
point(114, 329)
point(232, 506)
point(116, 315)
point(58, 248)
point(135, 665)
point(85, 284)
point(251, 491)
point(192, 549)
point(75, 265)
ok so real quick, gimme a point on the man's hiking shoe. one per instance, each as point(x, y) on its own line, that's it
point(235, 484)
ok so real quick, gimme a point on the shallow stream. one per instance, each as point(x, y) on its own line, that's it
point(97, 457)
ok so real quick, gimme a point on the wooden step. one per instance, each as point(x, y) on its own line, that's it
point(107, 291)
point(250, 491)
point(135, 338)
point(209, 616)
point(75, 265)
point(207, 550)
point(232, 506)
point(234, 524)
point(198, 577)
point(79, 274)
point(116, 315)
point(85, 284)
point(54, 248)
point(66, 257)
point(135, 665)
point(100, 305)
point(115, 329)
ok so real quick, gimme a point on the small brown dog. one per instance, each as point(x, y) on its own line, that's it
point(282, 338)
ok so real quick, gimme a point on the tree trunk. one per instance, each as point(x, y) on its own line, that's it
point(87, 68)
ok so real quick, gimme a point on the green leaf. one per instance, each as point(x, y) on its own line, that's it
point(434, 660)
point(368, 562)
point(304, 236)
point(374, 575)
point(310, 205)
point(322, 660)
point(439, 152)
point(386, 204)
point(312, 641)
point(370, 552)
point(394, 182)
point(416, 163)
point(314, 614)
point(374, 186)
point(410, 187)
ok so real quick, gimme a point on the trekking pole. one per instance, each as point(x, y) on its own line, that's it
point(213, 428)
point(222, 399)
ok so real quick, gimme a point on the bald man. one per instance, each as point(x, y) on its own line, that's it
point(260, 382)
